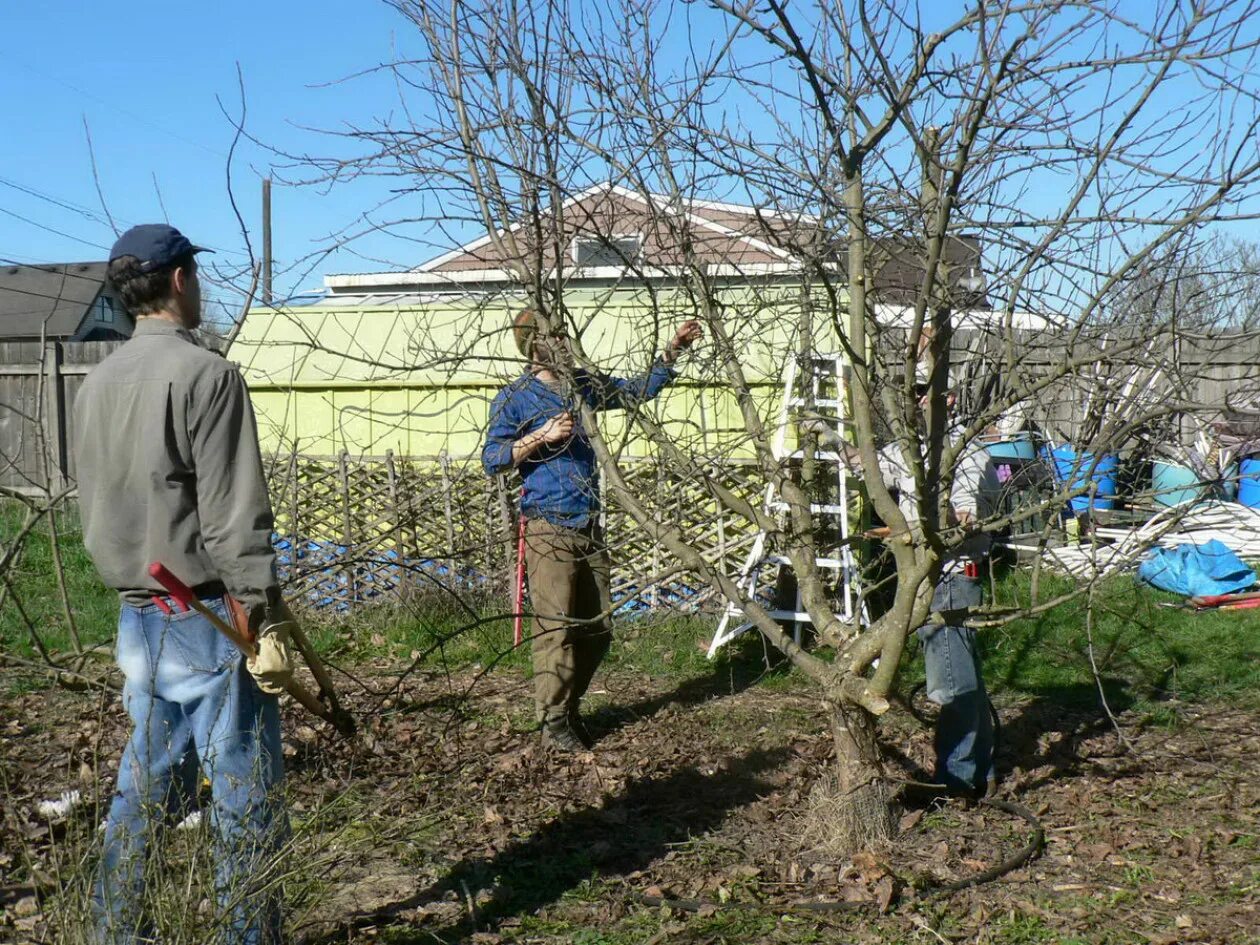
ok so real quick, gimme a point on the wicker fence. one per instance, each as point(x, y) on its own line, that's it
point(352, 530)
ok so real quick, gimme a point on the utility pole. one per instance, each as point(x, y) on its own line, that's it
point(266, 239)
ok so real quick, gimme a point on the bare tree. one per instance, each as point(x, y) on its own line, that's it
point(971, 204)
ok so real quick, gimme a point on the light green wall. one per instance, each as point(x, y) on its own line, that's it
point(419, 380)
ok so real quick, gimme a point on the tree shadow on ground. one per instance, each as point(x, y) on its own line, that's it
point(739, 669)
point(625, 834)
point(1048, 730)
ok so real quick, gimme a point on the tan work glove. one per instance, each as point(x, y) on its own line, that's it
point(272, 664)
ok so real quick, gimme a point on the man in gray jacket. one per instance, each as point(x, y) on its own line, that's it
point(169, 470)
point(964, 739)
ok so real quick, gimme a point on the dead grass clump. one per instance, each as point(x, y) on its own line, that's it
point(836, 823)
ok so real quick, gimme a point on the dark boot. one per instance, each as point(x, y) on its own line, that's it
point(558, 734)
point(579, 728)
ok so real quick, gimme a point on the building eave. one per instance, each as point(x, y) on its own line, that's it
point(387, 281)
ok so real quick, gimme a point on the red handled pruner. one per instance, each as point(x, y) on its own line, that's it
point(186, 600)
point(518, 625)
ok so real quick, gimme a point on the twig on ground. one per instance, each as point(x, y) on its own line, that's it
point(61, 675)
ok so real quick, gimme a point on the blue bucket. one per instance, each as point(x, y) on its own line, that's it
point(1173, 484)
point(1018, 447)
point(1249, 482)
point(1078, 471)
point(1229, 482)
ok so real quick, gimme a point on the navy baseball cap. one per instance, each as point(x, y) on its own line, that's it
point(155, 244)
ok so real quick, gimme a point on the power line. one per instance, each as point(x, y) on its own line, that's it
point(92, 215)
point(111, 105)
point(62, 270)
point(64, 275)
point(50, 229)
point(64, 204)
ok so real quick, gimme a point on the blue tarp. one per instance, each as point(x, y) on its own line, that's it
point(345, 576)
point(1197, 570)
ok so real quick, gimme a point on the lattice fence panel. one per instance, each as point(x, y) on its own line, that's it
point(646, 575)
point(351, 530)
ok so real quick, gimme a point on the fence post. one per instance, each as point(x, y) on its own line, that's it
point(294, 530)
point(55, 411)
point(295, 541)
point(505, 522)
point(347, 534)
point(444, 461)
point(399, 530)
point(723, 567)
point(653, 592)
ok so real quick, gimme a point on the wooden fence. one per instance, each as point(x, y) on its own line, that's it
point(1205, 376)
point(38, 384)
point(351, 530)
point(355, 528)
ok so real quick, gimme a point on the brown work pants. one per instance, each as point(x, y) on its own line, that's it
point(569, 590)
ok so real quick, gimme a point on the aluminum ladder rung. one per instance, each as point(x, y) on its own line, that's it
point(816, 508)
point(821, 373)
point(820, 562)
point(820, 402)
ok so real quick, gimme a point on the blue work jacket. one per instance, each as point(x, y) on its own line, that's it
point(561, 480)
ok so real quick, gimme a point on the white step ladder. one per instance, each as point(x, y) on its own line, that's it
point(826, 392)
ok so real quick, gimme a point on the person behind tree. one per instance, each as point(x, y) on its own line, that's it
point(964, 740)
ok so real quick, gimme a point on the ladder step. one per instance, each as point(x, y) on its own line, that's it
point(822, 402)
point(820, 562)
point(821, 454)
point(824, 509)
point(799, 616)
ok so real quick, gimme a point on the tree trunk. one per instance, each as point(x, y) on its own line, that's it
point(851, 809)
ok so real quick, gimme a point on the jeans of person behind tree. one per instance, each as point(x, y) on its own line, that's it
point(191, 700)
point(964, 728)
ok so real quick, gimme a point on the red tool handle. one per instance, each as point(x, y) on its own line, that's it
point(182, 596)
point(518, 625)
point(162, 605)
point(180, 592)
point(1216, 600)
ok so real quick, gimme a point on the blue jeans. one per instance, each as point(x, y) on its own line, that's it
point(191, 699)
point(964, 728)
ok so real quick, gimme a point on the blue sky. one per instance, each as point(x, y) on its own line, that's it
point(146, 85)
point(145, 76)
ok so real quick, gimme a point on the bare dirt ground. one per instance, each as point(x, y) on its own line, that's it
point(456, 826)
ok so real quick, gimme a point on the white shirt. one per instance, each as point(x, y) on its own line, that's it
point(970, 474)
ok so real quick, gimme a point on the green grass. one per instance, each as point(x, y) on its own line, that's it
point(94, 606)
point(1146, 654)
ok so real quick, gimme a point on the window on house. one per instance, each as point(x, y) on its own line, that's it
point(606, 251)
point(106, 312)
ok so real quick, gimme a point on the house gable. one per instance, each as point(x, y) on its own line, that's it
point(647, 231)
point(61, 301)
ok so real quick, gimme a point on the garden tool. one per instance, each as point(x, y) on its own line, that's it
point(1218, 600)
point(186, 600)
point(1250, 604)
point(518, 624)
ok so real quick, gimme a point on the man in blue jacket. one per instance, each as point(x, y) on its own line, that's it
point(535, 427)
